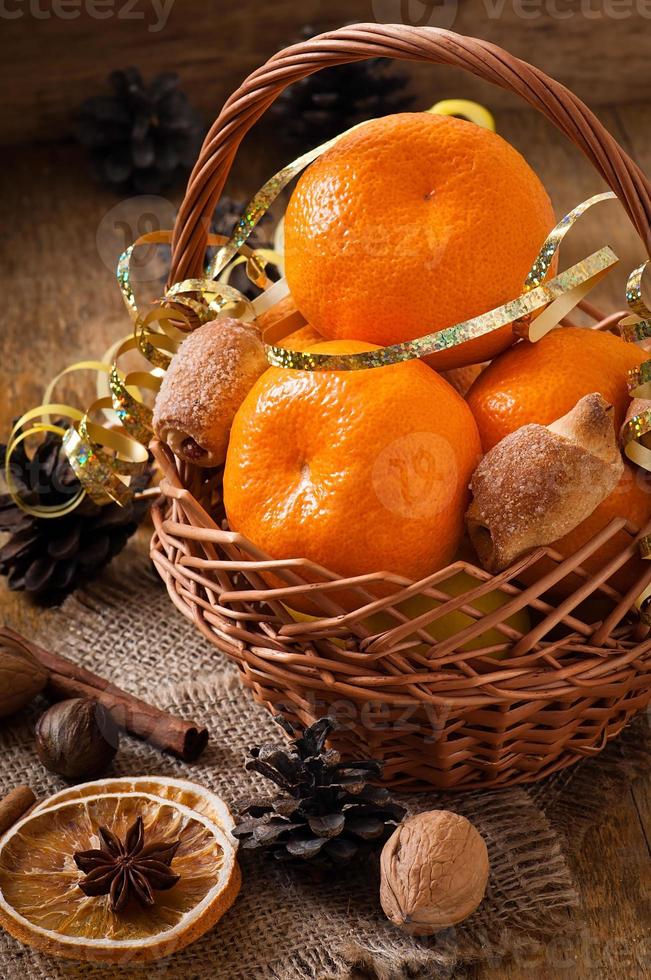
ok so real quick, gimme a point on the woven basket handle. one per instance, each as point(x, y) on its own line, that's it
point(362, 41)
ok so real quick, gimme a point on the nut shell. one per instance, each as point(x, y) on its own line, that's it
point(77, 739)
point(434, 872)
point(22, 677)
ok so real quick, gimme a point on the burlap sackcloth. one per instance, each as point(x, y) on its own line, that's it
point(285, 925)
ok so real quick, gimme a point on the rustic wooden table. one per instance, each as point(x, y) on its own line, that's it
point(58, 242)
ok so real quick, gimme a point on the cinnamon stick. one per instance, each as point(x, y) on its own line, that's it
point(184, 739)
point(14, 806)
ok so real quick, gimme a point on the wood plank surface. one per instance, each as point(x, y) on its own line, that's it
point(599, 48)
point(61, 304)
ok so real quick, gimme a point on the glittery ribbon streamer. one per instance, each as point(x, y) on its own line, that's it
point(635, 431)
point(582, 274)
point(103, 456)
point(636, 328)
point(555, 297)
point(260, 204)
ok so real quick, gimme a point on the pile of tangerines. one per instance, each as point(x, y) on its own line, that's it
point(408, 225)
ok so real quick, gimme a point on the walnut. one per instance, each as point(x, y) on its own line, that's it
point(434, 872)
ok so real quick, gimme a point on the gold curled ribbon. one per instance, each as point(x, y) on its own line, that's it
point(556, 297)
point(636, 328)
point(16, 438)
point(636, 431)
point(259, 205)
point(465, 109)
point(105, 454)
point(583, 274)
point(101, 456)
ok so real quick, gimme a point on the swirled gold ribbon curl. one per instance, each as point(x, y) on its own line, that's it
point(636, 431)
point(636, 328)
point(106, 444)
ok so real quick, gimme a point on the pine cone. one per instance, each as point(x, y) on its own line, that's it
point(326, 813)
point(143, 137)
point(320, 106)
point(49, 557)
point(227, 213)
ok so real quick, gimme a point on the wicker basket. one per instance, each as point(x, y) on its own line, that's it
point(437, 713)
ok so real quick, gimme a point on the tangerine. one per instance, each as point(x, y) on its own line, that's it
point(412, 223)
point(541, 382)
point(631, 499)
point(359, 471)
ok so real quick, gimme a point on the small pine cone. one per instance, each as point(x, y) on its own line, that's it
point(320, 106)
point(49, 557)
point(140, 137)
point(327, 813)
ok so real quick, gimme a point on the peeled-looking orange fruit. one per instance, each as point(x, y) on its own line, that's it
point(358, 471)
point(631, 499)
point(541, 382)
point(412, 223)
point(42, 905)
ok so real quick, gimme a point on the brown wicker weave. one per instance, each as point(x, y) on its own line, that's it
point(438, 715)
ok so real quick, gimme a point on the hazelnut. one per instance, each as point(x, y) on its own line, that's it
point(434, 872)
point(77, 739)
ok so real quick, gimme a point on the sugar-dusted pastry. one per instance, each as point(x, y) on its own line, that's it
point(205, 384)
point(538, 483)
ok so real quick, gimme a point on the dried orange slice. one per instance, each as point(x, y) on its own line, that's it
point(166, 787)
point(42, 905)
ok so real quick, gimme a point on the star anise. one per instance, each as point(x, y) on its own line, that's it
point(120, 870)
